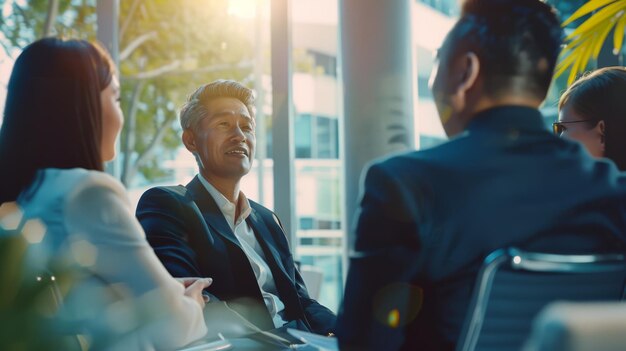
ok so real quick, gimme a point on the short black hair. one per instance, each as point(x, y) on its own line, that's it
point(53, 114)
point(599, 96)
point(516, 41)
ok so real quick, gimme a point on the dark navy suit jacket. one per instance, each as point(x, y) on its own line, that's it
point(427, 220)
point(192, 239)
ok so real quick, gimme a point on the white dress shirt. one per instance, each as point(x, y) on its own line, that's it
point(251, 248)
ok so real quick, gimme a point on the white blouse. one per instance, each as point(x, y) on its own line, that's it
point(86, 220)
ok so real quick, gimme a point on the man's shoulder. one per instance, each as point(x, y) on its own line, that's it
point(170, 189)
point(162, 195)
point(176, 191)
point(420, 161)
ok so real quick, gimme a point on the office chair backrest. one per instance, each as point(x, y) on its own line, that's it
point(514, 285)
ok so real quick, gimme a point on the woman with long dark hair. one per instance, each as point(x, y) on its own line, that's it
point(593, 112)
point(61, 121)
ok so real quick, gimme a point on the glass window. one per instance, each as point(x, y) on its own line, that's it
point(326, 62)
point(327, 142)
point(320, 235)
point(302, 137)
point(432, 19)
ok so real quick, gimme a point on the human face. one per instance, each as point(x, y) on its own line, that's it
point(591, 138)
point(112, 119)
point(224, 140)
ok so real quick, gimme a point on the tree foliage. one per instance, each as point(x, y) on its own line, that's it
point(167, 49)
point(22, 24)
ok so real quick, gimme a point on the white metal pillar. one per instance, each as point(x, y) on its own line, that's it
point(107, 13)
point(283, 148)
point(377, 86)
point(261, 132)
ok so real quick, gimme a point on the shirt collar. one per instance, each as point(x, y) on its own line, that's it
point(228, 208)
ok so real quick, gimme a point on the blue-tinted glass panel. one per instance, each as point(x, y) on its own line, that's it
point(302, 136)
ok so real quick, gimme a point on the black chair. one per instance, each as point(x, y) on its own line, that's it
point(514, 285)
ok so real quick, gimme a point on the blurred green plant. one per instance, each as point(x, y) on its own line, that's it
point(28, 302)
point(52, 299)
point(586, 40)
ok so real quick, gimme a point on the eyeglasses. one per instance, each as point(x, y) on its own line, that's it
point(558, 127)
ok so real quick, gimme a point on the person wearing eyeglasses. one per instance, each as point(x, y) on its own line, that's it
point(592, 111)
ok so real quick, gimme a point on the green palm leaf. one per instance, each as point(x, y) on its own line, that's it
point(603, 31)
point(585, 42)
point(587, 8)
point(607, 13)
point(618, 36)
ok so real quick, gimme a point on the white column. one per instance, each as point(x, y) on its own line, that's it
point(107, 13)
point(283, 148)
point(377, 86)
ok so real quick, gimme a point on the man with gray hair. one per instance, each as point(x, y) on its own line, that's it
point(209, 228)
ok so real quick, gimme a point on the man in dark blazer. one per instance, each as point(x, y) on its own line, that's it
point(427, 219)
point(208, 228)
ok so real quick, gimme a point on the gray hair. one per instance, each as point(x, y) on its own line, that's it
point(195, 108)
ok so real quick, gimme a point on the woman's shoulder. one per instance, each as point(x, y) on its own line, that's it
point(86, 183)
point(75, 180)
point(68, 185)
point(96, 201)
point(94, 178)
point(53, 183)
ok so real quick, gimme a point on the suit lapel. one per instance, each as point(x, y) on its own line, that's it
point(212, 214)
point(284, 283)
point(267, 242)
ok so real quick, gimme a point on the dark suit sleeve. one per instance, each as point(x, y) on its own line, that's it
point(162, 216)
point(321, 319)
point(380, 296)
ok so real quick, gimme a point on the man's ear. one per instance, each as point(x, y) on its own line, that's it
point(601, 127)
point(189, 139)
point(470, 67)
point(466, 71)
